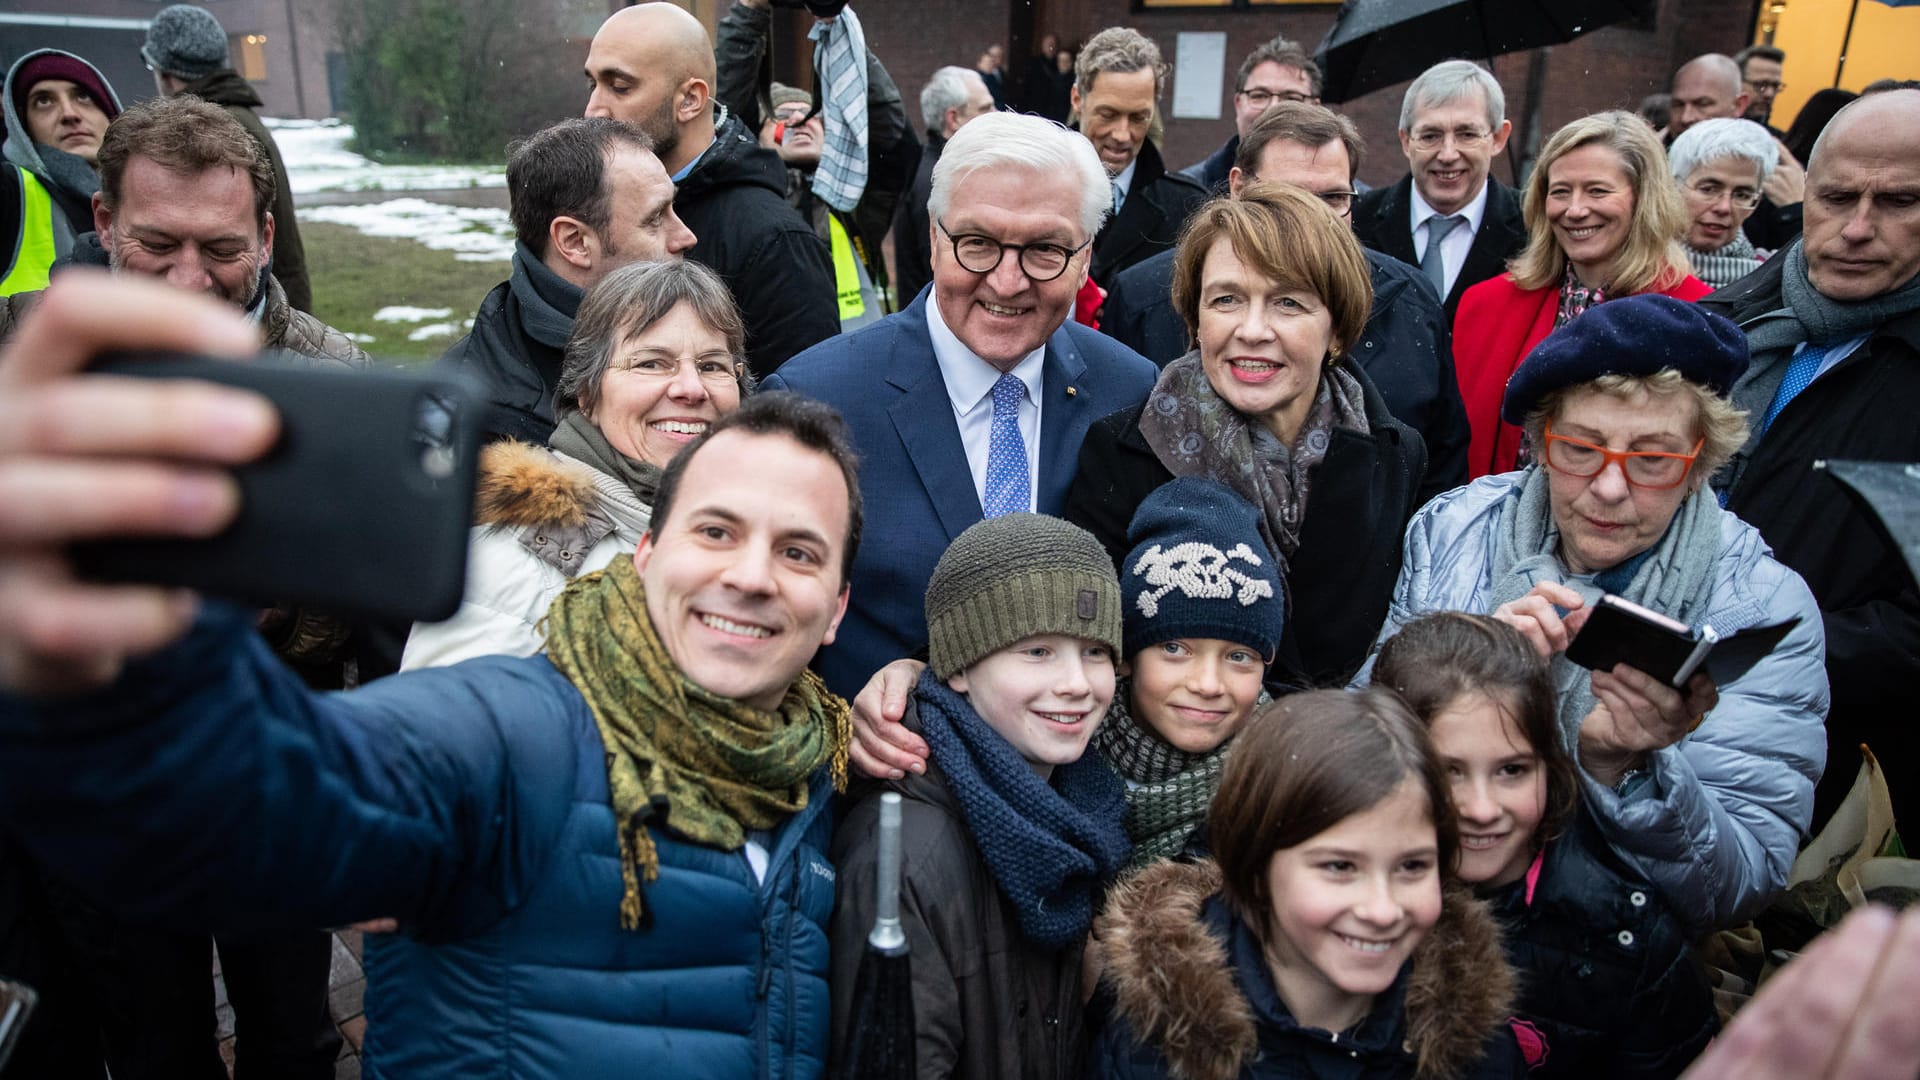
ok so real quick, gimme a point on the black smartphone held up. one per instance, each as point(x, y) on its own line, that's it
point(1622, 632)
point(362, 506)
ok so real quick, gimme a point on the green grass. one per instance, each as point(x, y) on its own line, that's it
point(355, 276)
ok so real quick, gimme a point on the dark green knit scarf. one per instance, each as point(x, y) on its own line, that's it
point(1168, 789)
point(678, 757)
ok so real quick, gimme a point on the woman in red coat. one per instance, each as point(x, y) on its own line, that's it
point(1604, 220)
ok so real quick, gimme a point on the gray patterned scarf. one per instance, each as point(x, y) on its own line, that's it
point(1194, 432)
point(1726, 264)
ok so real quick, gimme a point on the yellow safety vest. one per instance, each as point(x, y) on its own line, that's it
point(33, 253)
point(859, 301)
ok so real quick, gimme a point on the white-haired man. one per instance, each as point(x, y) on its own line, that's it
point(973, 401)
point(1448, 216)
point(953, 96)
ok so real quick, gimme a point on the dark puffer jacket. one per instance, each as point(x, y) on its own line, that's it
point(1187, 993)
point(1604, 967)
point(988, 1005)
point(735, 201)
point(234, 94)
point(518, 371)
point(471, 803)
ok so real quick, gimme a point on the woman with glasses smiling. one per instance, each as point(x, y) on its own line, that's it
point(654, 358)
point(1722, 166)
point(1708, 789)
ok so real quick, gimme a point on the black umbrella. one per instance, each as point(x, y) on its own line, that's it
point(1376, 43)
point(1890, 490)
point(880, 1045)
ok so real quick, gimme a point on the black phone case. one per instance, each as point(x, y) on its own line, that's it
point(362, 506)
point(1612, 636)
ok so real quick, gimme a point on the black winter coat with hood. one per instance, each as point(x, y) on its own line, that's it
point(735, 202)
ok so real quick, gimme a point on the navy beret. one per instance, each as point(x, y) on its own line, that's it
point(1634, 335)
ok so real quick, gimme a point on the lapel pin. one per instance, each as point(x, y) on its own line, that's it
point(1071, 391)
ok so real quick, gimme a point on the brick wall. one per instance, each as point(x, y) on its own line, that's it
point(1614, 67)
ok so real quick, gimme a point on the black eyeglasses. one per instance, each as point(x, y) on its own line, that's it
point(979, 254)
point(1260, 99)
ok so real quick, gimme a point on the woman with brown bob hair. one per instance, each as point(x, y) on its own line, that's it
point(1604, 220)
point(1274, 289)
point(1321, 939)
point(1606, 974)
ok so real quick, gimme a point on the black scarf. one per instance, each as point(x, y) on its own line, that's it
point(548, 302)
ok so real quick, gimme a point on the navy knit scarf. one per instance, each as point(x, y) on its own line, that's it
point(1051, 847)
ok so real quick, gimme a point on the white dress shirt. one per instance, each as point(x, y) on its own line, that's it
point(1456, 244)
point(969, 382)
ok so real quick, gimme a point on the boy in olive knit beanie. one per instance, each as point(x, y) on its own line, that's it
point(1013, 832)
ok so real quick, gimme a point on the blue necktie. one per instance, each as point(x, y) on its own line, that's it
point(1431, 262)
point(1800, 372)
point(1006, 451)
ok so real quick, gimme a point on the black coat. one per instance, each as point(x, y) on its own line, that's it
point(1604, 967)
point(1341, 576)
point(1158, 204)
point(1863, 408)
point(778, 270)
point(1381, 220)
point(912, 253)
point(519, 373)
point(1406, 349)
point(1771, 226)
point(1213, 170)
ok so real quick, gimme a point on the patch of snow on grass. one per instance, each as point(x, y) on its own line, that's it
point(473, 233)
point(317, 159)
point(403, 313)
point(436, 330)
point(359, 339)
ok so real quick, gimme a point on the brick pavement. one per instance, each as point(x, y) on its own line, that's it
point(347, 984)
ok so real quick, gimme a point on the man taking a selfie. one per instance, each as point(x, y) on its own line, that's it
point(584, 886)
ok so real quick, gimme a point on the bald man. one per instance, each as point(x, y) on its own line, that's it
point(652, 65)
point(1708, 87)
point(1834, 326)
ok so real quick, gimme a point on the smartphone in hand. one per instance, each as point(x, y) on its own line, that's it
point(362, 506)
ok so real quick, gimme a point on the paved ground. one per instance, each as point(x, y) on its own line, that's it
point(347, 986)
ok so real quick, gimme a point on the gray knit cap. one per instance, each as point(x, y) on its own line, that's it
point(1015, 576)
point(782, 94)
point(187, 41)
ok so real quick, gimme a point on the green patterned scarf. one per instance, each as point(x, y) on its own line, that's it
point(1168, 789)
point(678, 757)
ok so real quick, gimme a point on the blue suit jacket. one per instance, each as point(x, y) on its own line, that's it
point(914, 480)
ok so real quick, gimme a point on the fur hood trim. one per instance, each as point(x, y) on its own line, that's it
point(522, 485)
point(1172, 984)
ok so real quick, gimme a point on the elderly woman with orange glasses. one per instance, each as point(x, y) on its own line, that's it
point(1628, 407)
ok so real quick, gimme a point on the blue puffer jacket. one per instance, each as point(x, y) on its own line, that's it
point(209, 789)
point(1717, 826)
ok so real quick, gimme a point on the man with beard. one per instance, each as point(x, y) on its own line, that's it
point(184, 197)
point(652, 65)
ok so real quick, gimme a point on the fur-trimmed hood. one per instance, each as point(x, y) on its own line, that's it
point(1174, 987)
point(522, 485)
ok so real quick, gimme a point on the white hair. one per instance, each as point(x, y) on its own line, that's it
point(1450, 81)
point(947, 89)
point(1723, 137)
point(1004, 140)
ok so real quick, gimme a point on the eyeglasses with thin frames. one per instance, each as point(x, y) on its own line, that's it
point(978, 254)
point(1655, 470)
point(1430, 139)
